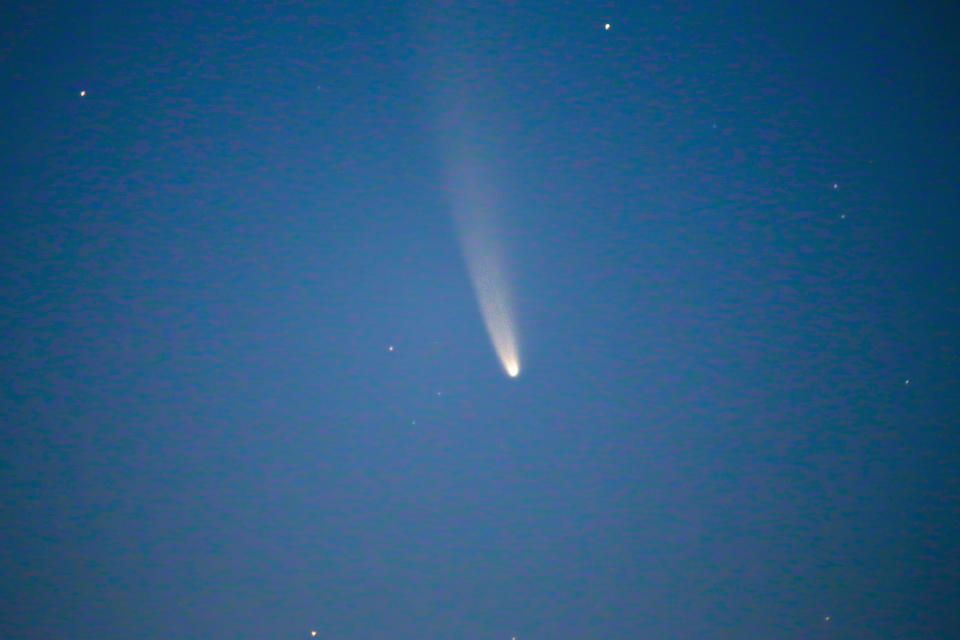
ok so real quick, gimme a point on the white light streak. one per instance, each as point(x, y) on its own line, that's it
point(477, 223)
point(471, 121)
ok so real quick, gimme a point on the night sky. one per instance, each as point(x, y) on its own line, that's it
point(247, 390)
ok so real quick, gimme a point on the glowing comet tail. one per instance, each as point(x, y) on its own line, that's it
point(486, 271)
point(485, 263)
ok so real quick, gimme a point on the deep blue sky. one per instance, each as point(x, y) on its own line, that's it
point(204, 260)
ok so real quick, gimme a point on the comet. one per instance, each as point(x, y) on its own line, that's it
point(476, 214)
point(470, 121)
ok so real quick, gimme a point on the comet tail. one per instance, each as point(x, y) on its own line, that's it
point(475, 214)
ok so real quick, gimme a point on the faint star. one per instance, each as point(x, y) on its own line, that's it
point(835, 186)
point(313, 633)
point(390, 348)
point(843, 216)
point(907, 381)
point(826, 618)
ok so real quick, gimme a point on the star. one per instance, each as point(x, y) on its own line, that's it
point(83, 93)
point(313, 633)
point(826, 618)
point(390, 348)
point(835, 186)
point(907, 381)
point(606, 27)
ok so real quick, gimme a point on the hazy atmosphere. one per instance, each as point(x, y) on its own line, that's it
point(532, 320)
